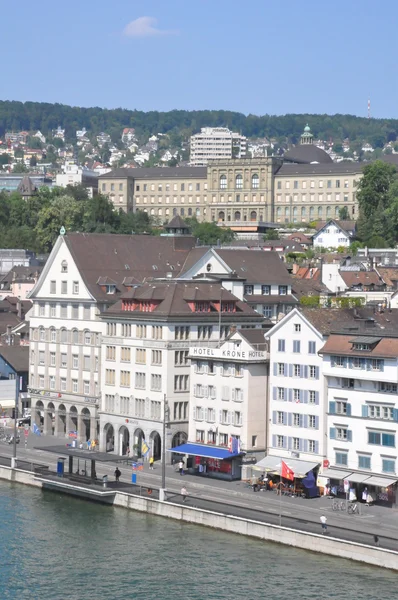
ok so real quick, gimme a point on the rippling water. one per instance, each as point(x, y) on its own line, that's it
point(58, 548)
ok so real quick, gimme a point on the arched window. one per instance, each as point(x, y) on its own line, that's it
point(221, 216)
point(53, 335)
point(253, 215)
point(337, 210)
point(279, 211)
point(198, 212)
point(75, 336)
point(294, 211)
point(167, 212)
point(287, 211)
point(160, 212)
point(239, 182)
point(64, 336)
point(189, 212)
point(152, 211)
point(174, 212)
point(223, 182)
point(182, 211)
point(255, 181)
point(261, 217)
point(319, 211)
point(87, 337)
point(312, 211)
point(64, 266)
point(303, 211)
point(328, 211)
point(237, 216)
point(42, 334)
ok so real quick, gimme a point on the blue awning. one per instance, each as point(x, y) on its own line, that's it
point(205, 451)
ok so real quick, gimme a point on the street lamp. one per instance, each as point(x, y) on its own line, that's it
point(14, 445)
point(162, 491)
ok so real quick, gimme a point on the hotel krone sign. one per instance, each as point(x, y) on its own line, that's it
point(227, 354)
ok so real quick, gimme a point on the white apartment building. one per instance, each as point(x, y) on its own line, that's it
point(216, 143)
point(361, 375)
point(229, 391)
point(145, 359)
point(84, 275)
point(296, 411)
point(76, 175)
point(259, 278)
point(331, 235)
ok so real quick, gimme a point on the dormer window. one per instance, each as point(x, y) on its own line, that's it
point(364, 344)
point(146, 306)
point(202, 306)
point(64, 266)
point(248, 290)
point(208, 267)
point(110, 288)
point(228, 307)
point(361, 347)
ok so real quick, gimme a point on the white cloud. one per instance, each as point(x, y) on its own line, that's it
point(144, 27)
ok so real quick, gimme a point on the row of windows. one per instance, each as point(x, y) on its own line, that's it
point(211, 368)
point(296, 344)
point(140, 379)
point(210, 391)
point(350, 383)
point(312, 211)
point(170, 200)
point(295, 395)
point(63, 310)
point(223, 438)
point(64, 336)
point(64, 287)
point(167, 187)
point(375, 438)
point(295, 419)
point(226, 417)
point(329, 184)
point(304, 371)
point(63, 360)
point(255, 182)
point(64, 384)
point(356, 362)
point(313, 198)
point(364, 462)
point(137, 407)
point(295, 443)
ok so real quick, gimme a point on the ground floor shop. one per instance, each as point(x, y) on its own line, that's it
point(357, 486)
point(208, 461)
point(60, 416)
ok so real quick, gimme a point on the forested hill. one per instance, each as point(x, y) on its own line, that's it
point(30, 116)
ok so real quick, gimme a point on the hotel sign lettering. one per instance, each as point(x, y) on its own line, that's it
point(231, 354)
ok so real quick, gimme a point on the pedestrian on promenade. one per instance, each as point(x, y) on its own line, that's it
point(128, 451)
point(151, 461)
point(117, 474)
point(376, 540)
point(88, 444)
point(184, 493)
point(92, 444)
point(181, 467)
point(323, 523)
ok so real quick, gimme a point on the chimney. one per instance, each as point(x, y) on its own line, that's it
point(19, 309)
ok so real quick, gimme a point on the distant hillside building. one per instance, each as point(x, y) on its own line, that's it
point(214, 143)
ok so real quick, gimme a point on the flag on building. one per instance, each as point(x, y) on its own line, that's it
point(36, 429)
point(234, 445)
point(144, 448)
point(286, 471)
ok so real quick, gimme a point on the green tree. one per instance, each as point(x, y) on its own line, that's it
point(271, 234)
point(33, 161)
point(62, 211)
point(210, 234)
point(20, 168)
point(354, 247)
point(374, 186)
point(344, 214)
point(4, 159)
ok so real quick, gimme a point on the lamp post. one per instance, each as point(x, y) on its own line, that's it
point(162, 491)
point(14, 445)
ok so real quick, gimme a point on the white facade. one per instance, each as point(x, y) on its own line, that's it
point(229, 394)
point(65, 337)
point(216, 143)
point(362, 419)
point(297, 415)
point(331, 277)
point(331, 236)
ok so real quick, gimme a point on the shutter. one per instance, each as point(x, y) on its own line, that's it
point(348, 410)
point(206, 368)
point(304, 394)
point(306, 371)
point(316, 422)
point(316, 447)
point(206, 414)
point(302, 371)
point(365, 410)
point(195, 390)
point(229, 418)
point(274, 390)
point(349, 435)
point(316, 372)
point(332, 433)
point(301, 445)
point(290, 443)
point(220, 416)
point(304, 419)
point(305, 445)
point(290, 392)
point(289, 419)
point(290, 370)
point(233, 395)
point(316, 397)
point(350, 363)
point(382, 365)
point(332, 408)
point(286, 369)
point(274, 417)
point(395, 414)
point(333, 361)
point(194, 413)
point(275, 368)
point(274, 441)
point(232, 370)
point(369, 364)
point(206, 391)
point(195, 367)
point(284, 444)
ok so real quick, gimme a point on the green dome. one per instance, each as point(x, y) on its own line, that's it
point(307, 128)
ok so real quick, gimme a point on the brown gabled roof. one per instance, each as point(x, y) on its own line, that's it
point(256, 266)
point(176, 222)
point(16, 356)
point(105, 256)
point(389, 275)
point(20, 273)
point(8, 319)
point(255, 337)
point(194, 255)
point(352, 278)
point(173, 298)
point(342, 345)
point(347, 226)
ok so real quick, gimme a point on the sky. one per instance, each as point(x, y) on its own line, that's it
point(254, 56)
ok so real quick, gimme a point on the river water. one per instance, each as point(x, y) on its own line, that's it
point(54, 547)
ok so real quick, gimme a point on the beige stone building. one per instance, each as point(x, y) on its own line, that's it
point(162, 192)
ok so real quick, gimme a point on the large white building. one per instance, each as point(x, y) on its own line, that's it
point(229, 391)
point(361, 375)
point(145, 358)
point(216, 143)
point(296, 423)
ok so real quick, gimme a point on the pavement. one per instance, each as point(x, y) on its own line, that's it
point(234, 497)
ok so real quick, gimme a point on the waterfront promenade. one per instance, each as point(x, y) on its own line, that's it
point(237, 499)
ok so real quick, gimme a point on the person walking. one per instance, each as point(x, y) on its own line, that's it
point(151, 461)
point(184, 493)
point(181, 467)
point(323, 520)
point(117, 474)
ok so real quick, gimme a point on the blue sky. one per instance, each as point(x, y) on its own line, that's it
point(258, 56)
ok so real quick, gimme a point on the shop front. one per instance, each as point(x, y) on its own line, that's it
point(291, 475)
point(210, 461)
point(359, 486)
